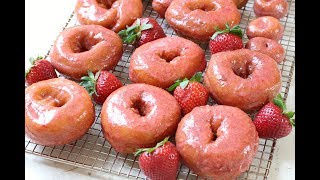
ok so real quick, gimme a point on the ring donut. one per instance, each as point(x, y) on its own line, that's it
point(139, 116)
point(242, 78)
point(85, 47)
point(53, 114)
point(217, 141)
point(160, 64)
point(112, 14)
point(197, 19)
point(161, 6)
point(275, 8)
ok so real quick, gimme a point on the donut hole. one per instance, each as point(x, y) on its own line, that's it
point(267, 45)
point(139, 107)
point(242, 69)
point(106, 4)
point(202, 6)
point(52, 97)
point(168, 56)
point(215, 125)
point(85, 43)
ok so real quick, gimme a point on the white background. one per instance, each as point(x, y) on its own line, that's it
point(44, 20)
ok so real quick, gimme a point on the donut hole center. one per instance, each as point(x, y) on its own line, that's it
point(242, 69)
point(169, 56)
point(52, 97)
point(106, 4)
point(267, 45)
point(206, 7)
point(86, 43)
point(139, 107)
point(215, 125)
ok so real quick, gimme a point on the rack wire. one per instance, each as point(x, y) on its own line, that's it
point(93, 152)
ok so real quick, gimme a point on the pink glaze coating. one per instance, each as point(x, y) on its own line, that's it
point(242, 78)
point(197, 19)
point(224, 155)
point(57, 111)
point(275, 8)
point(161, 6)
point(165, 60)
point(112, 14)
point(266, 26)
point(85, 47)
point(139, 116)
point(267, 46)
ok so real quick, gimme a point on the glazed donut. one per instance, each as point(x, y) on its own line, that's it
point(197, 19)
point(160, 64)
point(57, 111)
point(240, 3)
point(217, 141)
point(266, 26)
point(85, 47)
point(112, 14)
point(242, 78)
point(275, 8)
point(139, 116)
point(267, 46)
point(161, 6)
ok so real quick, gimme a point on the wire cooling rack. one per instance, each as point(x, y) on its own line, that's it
point(93, 152)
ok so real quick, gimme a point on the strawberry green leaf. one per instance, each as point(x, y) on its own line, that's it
point(290, 114)
point(89, 82)
point(150, 150)
point(279, 102)
point(236, 30)
point(146, 26)
point(184, 83)
point(173, 86)
point(196, 77)
point(293, 122)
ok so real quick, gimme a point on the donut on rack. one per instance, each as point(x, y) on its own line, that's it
point(112, 14)
point(85, 47)
point(275, 8)
point(242, 78)
point(57, 111)
point(198, 19)
point(165, 60)
point(217, 141)
point(139, 116)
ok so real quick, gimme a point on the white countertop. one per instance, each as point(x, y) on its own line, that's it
point(44, 20)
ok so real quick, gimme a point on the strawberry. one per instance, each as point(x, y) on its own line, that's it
point(190, 93)
point(142, 31)
point(226, 40)
point(100, 85)
point(41, 69)
point(160, 162)
point(273, 120)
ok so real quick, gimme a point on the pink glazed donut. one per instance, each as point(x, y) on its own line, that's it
point(275, 8)
point(217, 141)
point(242, 78)
point(139, 116)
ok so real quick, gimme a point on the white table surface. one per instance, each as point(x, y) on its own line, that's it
point(44, 20)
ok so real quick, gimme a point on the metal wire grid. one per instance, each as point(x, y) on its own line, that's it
point(93, 152)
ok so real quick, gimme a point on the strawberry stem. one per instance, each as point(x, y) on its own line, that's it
point(184, 83)
point(236, 30)
point(89, 82)
point(278, 101)
point(132, 33)
point(150, 150)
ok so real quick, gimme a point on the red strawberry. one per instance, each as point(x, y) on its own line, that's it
point(100, 85)
point(160, 162)
point(41, 69)
point(190, 93)
point(226, 40)
point(273, 121)
point(142, 31)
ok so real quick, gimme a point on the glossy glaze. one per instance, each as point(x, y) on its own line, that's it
point(137, 116)
point(267, 46)
point(242, 78)
point(275, 8)
point(112, 14)
point(224, 155)
point(266, 26)
point(161, 6)
point(57, 111)
point(163, 61)
point(197, 19)
point(85, 47)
